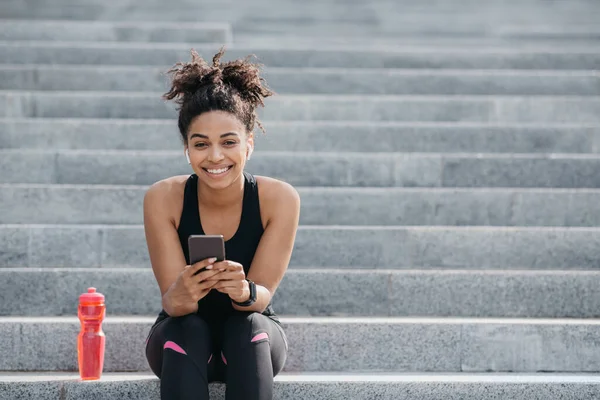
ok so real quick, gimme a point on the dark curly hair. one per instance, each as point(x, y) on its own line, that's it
point(234, 86)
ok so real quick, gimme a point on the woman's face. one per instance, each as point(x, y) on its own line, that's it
point(218, 146)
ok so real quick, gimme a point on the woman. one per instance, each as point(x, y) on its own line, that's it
point(211, 328)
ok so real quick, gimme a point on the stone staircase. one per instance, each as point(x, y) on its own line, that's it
point(447, 157)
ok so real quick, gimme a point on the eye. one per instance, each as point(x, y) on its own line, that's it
point(200, 144)
point(230, 142)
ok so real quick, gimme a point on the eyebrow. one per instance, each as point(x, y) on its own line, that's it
point(201, 136)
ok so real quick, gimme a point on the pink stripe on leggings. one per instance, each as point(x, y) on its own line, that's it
point(258, 337)
point(174, 346)
point(223, 358)
point(209, 358)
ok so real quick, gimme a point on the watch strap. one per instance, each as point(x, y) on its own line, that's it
point(252, 298)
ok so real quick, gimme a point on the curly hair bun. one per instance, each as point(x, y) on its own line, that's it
point(240, 75)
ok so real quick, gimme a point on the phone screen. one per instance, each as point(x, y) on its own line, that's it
point(201, 247)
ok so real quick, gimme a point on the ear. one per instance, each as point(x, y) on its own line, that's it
point(250, 145)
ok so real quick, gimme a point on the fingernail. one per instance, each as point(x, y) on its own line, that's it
point(209, 267)
point(221, 269)
point(212, 260)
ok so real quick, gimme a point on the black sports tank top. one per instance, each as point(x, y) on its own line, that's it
point(216, 306)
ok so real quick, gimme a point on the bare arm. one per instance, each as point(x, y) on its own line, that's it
point(179, 288)
point(275, 248)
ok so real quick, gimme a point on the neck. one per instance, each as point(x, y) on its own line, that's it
point(221, 198)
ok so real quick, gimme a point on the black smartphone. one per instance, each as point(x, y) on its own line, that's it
point(201, 247)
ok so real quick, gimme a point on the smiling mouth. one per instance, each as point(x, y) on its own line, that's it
point(217, 171)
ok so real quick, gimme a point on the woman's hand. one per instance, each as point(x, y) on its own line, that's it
point(232, 280)
point(191, 286)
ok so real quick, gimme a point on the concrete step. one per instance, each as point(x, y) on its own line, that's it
point(117, 204)
point(502, 109)
point(317, 7)
point(39, 28)
point(315, 136)
point(112, 31)
point(123, 167)
point(333, 386)
point(340, 344)
point(290, 55)
point(389, 247)
point(491, 39)
point(314, 81)
point(456, 31)
point(215, 33)
point(368, 17)
point(329, 292)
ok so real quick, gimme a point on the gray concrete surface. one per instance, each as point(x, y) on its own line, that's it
point(118, 204)
point(351, 56)
point(331, 386)
point(314, 81)
point(115, 32)
point(384, 345)
point(381, 16)
point(526, 109)
point(463, 112)
point(314, 136)
point(327, 292)
point(325, 246)
point(331, 169)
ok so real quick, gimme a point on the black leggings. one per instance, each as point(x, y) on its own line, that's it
point(245, 352)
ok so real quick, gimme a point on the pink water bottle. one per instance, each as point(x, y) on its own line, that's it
point(90, 342)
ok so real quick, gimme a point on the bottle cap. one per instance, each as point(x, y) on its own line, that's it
point(91, 297)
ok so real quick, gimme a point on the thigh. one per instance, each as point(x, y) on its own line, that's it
point(245, 329)
point(188, 334)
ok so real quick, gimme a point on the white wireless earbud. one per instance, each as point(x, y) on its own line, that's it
point(249, 152)
point(187, 155)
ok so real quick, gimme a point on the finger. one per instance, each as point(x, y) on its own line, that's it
point(228, 265)
point(226, 291)
point(207, 275)
point(231, 276)
point(203, 286)
point(206, 263)
point(229, 285)
point(215, 277)
point(203, 264)
point(207, 285)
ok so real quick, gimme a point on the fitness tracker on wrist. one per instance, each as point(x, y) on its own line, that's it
point(252, 298)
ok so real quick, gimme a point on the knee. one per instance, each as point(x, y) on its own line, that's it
point(193, 322)
point(243, 322)
point(243, 328)
point(174, 328)
point(238, 319)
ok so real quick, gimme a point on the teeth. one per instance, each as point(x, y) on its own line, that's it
point(217, 171)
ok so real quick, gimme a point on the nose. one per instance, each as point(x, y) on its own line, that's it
point(215, 154)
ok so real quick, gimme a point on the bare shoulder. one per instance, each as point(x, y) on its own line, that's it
point(167, 189)
point(277, 197)
point(166, 196)
point(274, 191)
